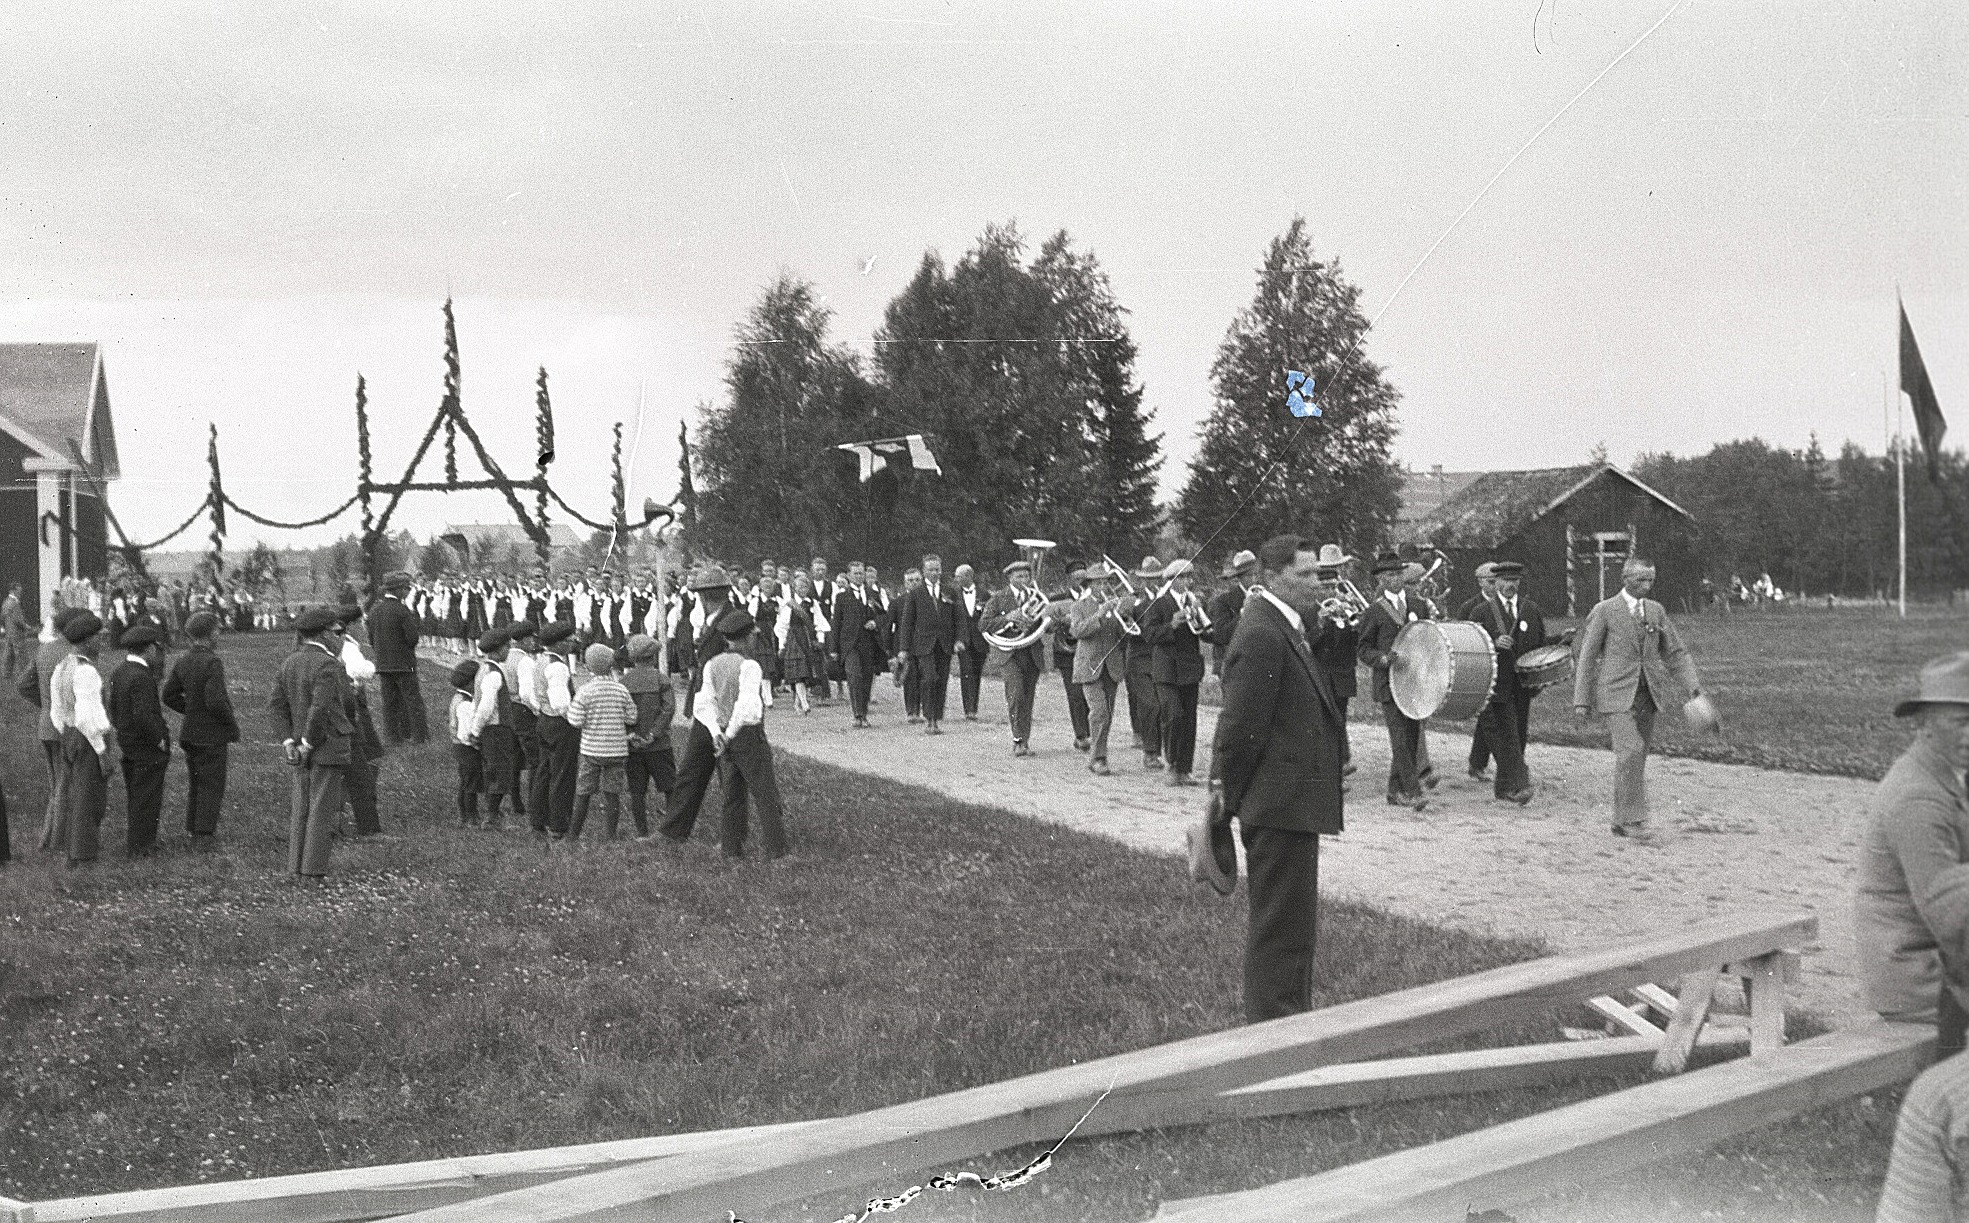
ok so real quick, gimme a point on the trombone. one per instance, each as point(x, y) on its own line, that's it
point(1121, 614)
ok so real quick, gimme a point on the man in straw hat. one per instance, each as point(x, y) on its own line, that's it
point(1239, 575)
point(314, 711)
point(394, 630)
point(1138, 659)
point(1392, 611)
point(1630, 659)
point(1917, 832)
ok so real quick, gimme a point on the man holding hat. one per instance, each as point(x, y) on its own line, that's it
point(492, 724)
point(314, 712)
point(550, 806)
point(1918, 833)
point(1393, 610)
point(1516, 627)
point(394, 630)
point(1138, 660)
point(1227, 604)
point(89, 745)
point(196, 688)
point(1022, 666)
point(1176, 665)
point(142, 735)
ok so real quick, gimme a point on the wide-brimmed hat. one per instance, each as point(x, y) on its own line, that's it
point(1388, 562)
point(1242, 562)
point(1213, 850)
point(1149, 568)
point(1331, 556)
point(711, 577)
point(1700, 716)
point(1176, 568)
point(1944, 681)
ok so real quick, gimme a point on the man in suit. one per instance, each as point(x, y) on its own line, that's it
point(196, 688)
point(902, 668)
point(1064, 652)
point(1516, 627)
point(1176, 665)
point(1227, 603)
point(970, 649)
point(33, 687)
point(313, 710)
point(394, 630)
point(1480, 752)
point(857, 639)
point(1336, 648)
point(928, 636)
point(1630, 660)
point(886, 612)
point(1023, 665)
point(1144, 709)
point(142, 735)
point(825, 588)
point(1394, 609)
point(1275, 769)
point(16, 634)
point(1099, 665)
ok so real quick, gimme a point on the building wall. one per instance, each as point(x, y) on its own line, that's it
point(19, 562)
point(91, 537)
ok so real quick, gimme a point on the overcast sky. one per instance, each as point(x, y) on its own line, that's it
point(250, 206)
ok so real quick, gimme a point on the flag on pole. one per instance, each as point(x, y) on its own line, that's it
point(890, 450)
point(1928, 420)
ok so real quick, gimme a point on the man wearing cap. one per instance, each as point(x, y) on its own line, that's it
point(1138, 659)
point(1516, 627)
point(1471, 610)
point(365, 745)
point(1176, 665)
point(1064, 652)
point(1227, 603)
point(969, 647)
point(1630, 656)
point(89, 744)
point(550, 806)
point(492, 724)
point(1393, 610)
point(33, 687)
point(15, 633)
point(142, 735)
point(1099, 665)
point(903, 671)
point(314, 712)
point(1023, 665)
point(929, 636)
point(1917, 834)
point(394, 630)
point(196, 688)
point(732, 712)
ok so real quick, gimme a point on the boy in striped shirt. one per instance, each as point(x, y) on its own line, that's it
point(605, 713)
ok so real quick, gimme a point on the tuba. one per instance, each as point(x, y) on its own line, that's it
point(1030, 618)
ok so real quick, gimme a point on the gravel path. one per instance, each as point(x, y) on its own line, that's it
point(1736, 837)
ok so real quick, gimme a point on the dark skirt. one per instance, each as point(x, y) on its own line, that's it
point(801, 660)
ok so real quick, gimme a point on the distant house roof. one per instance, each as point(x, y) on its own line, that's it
point(1491, 506)
point(51, 394)
point(479, 534)
point(1422, 492)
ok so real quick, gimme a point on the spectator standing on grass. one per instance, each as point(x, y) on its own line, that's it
point(651, 760)
point(196, 688)
point(1630, 660)
point(551, 805)
point(33, 687)
point(366, 746)
point(142, 736)
point(464, 745)
point(394, 630)
point(732, 709)
point(492, 723)
point(605, 714)
point(16, 634)
point(314, 713)
point(89, 746)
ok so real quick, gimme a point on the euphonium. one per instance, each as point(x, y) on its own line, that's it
point(1032, 615)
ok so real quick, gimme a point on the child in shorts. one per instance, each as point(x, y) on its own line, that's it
point(605, 713)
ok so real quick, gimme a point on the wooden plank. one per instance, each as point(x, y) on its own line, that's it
point(12, 1211)
point(1659, 1000)
point(1623, 1016)
point(1766, 984)
point(1522, 1160)
point(370, 1193)
point(1698, 991)
point(1790, 967)
point(885, 1144)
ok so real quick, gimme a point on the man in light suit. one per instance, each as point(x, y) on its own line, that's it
point(928, 634)
point(1099, 665)
point(1275, 768)
point(1630, 659)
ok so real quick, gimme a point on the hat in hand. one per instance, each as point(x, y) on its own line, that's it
point(1699, 714)
point(1213, 851)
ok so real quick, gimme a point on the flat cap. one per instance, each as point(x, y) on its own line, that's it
point(348, 613)
point(557, 632)
point(1018, 566)
point(398, 580)
point(201, 624)
point(62, 616)
point(1388, 562)
point(642, 646)
point(735, 623)
point(493, 638)
point(314, 620)
point(82, 626)
point(464, 673)
point(520, 630)
point(1507, 569)
point(138, 636)
point(598, 658)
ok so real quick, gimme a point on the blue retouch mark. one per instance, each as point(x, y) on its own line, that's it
point(1297, 404)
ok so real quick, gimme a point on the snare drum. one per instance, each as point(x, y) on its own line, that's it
point(1545, 666)
point(1442, 669)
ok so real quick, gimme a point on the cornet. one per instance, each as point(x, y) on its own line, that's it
point(1190, 611)
point(1344, 606)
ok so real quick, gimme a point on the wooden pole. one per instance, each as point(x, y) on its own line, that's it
point(1900, 484)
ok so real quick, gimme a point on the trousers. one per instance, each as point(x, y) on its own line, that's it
point(1178, 703)
point(1284, 898)
point(496, 753)
point(653, 765)
point(403, 706)
point(359, 788)
point(745, 770)
point(694, 775)
point(554, 786)
point(970, 679)
point(1099, 696)
point(860, 670)
point(1404, 745)
point(933, 682)
point(524, 741)
point(1633, 733)
point(912, 687)
point(1021, 685)
point(1497, 726)
point(1144, 708)
point(205, 770)
point(316, 794)
point(54, 820)
point(1077, 711)
point(143, 800)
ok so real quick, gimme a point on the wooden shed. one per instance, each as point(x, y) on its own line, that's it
point(54, 401)
point(1571, 527)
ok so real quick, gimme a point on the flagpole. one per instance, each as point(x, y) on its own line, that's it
point(1900, 483)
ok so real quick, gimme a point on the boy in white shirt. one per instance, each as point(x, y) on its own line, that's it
point(464, 746)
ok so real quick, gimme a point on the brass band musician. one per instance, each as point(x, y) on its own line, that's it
point(1015, 612)
point(1173, 626)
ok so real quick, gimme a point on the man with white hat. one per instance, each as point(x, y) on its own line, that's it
point(1227, 604)
point(1176, 664)
point(1917, 832)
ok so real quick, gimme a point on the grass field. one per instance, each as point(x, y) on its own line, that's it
point(198, 1017)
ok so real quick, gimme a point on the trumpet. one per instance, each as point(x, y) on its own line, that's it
point(1345, 605)
point(1190, 612)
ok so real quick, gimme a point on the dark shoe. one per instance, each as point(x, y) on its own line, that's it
point(1640, 834)
point(1099, 768)
point(970, 717)
point(1416, 803)
point(1520, 797)
point(1180, 779)
point(913, 719)
point(934, 729)
point(1151, 761)
point(1083, 745)
point(1480, 774)
point(1429, 781)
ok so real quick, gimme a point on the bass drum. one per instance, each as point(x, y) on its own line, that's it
point(1442, 669)
point(1545, 666)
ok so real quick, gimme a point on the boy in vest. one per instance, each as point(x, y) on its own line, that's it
point(471, 779)
point(650, 757)
point(605, 714)
point(731, 706)
point(492, 724)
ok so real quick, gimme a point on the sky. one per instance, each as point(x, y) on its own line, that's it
point(249, 204)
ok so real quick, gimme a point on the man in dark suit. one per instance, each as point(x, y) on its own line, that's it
point(1003, 618)
point(1138, 660)
point(1227, 603)
point(1064, 652)
point(902, 668)
point(1472, 610)
point(1516, 627)
point(1336, 647)
point(1275, 768)
point(968, 607)
point(929, 635)
point(857, 639)
point(196, 688)
point(394, 630)
point(1176, 665)
point(825, 588)
point(313, 710)
point(1391, 612)
point(142, 734)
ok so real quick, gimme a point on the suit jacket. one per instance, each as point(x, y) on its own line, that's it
point(1277, 750)
point(968, 626)
point(1177, 658)
point(135, 713)
point(196, 688)
point(393, 633)
point(1616, 651)
point(1225, 607)
point(1527, 633)
point(312, 700)
point(997, 618)
point(926, 625)
point(1096, 642)
point(1378, 630)
point(852, 636)
point(1336, 653)
point(1471, 609)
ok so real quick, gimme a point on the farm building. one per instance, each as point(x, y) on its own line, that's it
point(54, 401)
point(1571, 527)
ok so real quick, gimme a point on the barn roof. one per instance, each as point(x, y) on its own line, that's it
point(1495, 505)
point(52, 394)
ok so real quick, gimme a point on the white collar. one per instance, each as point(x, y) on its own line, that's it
point(1292, 616)
point(1632, 602)
point(138, 659)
